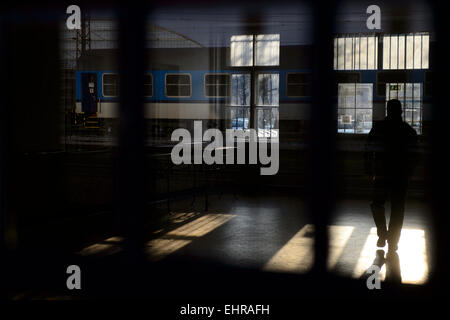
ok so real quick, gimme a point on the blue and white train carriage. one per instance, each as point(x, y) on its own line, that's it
point(186, 84)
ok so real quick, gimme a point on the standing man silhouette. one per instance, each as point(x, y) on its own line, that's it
point(390, 156)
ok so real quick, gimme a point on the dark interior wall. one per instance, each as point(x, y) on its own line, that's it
point(32, 123)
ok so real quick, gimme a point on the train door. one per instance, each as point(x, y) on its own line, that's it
point(89, 93)
point(410, 95)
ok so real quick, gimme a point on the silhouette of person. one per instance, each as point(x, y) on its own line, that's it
point(390, 159)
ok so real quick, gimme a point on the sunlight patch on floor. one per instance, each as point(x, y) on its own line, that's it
point(297, 255)
point(411, 251)
point(173, 240)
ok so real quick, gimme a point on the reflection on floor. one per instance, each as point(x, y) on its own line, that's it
point(274, 237)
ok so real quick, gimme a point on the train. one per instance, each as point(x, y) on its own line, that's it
point(186, 84)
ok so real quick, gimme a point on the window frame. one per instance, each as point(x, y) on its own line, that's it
point(178, 74)
point(354, 108)
point(103, 85)
point(414, 35)
point(217, 73)
point(352, 36)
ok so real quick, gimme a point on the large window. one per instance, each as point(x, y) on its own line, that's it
point(110, 85)
point(178, 85)
point(406, 51)
point(251, 52)
point(410, 95)
point(217, 85)
point(298, 84)
point(358, 52)
point(355, 107)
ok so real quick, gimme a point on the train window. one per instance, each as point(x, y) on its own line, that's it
point(178, 85)
point(354, 107)
point(110, 85)
point(410, 95)
point(406, 51)
point(267, 89)
point(148, 85)
point(217, 85)
point(267, 50)
point(358, 52)
point(242, 51)
point(298, 84)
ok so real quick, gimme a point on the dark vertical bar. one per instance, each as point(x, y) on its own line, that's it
point(439, 160)
point(131, 136)
point(323, 131)
point(2, 146)
point(380, 48)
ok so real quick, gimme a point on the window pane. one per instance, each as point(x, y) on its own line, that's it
point(363, 121)
point(394, 55)
point(425, 51)
point(401, 52)
point(335, 54)
point(348, 53)
point(371, 54)
point(341, 53)
point(364, 95)
point(268, 50)
point(346, 120)
point(267, 122)
point(363, 53)
point(409, 52)
point(267, 90)
point(386, 51)
point(355, 107)
point(417, 52)
point(241, 50)
point(356, 50)
point(178, 85)
point(240, 90)
point(239, 117)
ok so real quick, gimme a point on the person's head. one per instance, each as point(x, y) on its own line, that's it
point(394, 109)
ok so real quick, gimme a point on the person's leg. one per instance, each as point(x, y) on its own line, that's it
point(378, 211)
point(398, 195)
